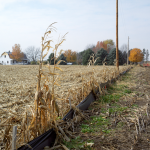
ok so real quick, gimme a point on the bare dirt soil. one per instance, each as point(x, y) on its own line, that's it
point(120, 118)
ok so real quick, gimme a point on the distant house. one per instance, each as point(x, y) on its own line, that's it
point(6, 60)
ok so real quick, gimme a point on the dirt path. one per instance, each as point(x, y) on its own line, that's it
point(120, 118)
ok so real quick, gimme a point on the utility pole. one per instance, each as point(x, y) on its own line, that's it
point(128, 51)
point(117, 55)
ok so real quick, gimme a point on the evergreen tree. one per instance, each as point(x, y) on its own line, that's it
point(124, 57)
point(112, 56)
point(144, 55)
point(86, 56)
point(101, 54)
point(51, 59)
point(62, 57)
point(147, 55)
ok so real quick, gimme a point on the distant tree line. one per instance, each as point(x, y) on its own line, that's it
point(102, 55)
point(103, 51)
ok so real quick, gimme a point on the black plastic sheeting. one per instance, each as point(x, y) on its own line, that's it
point(48, 138)
point(82, 106)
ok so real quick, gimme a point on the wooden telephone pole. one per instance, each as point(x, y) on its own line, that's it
point(117, 55)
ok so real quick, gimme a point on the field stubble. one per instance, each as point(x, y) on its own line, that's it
point(18, 86)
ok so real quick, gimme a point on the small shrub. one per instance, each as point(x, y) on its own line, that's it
point(33, 63)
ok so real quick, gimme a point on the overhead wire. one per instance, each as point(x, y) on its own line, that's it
point(122, 18)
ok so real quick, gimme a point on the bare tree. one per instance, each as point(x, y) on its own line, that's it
point(79, 58)
point(124, 48)
point(110, 47)
point(33, 54)
point(90, 46)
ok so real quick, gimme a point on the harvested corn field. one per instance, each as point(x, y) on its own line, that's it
point(120, 119)
point(18, 86)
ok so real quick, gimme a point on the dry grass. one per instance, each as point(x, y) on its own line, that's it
point(34, 104)
point(18, 87)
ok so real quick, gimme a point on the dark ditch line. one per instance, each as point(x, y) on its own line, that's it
point(48, 138)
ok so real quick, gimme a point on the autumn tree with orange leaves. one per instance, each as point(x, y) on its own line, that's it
point(136, 55)
point(16, 53)
point(107, 45)
point(70, 55)
point(99, 45)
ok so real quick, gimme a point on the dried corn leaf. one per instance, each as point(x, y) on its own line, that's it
point(58, 68)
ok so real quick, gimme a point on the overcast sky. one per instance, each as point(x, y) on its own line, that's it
point(87, 21)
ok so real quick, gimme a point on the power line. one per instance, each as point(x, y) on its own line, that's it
point(122, 18)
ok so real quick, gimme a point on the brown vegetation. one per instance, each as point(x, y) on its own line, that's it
point(122, 121)
point(37, 113)
point(18, 87)
point(70, 55)
point(16, 53)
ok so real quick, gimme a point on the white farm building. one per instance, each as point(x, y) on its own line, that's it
point(6, 60)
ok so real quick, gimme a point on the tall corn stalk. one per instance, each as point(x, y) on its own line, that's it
point(46, 108)
point(92, 60)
